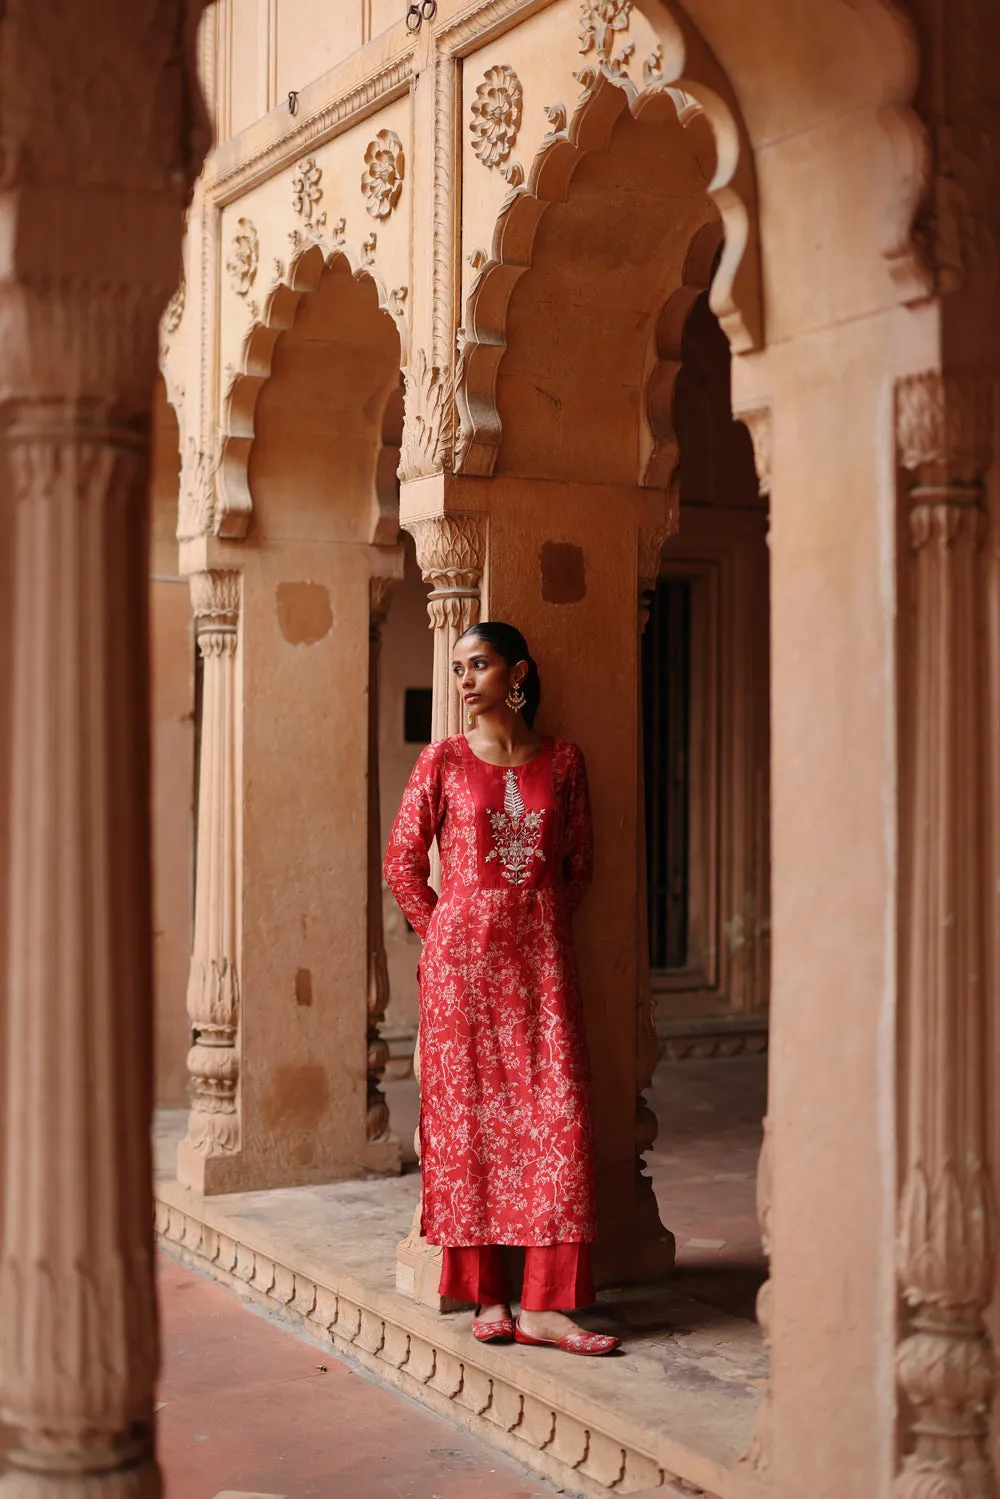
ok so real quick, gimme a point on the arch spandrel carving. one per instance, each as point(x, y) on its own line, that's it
point(233, 499)
point(606, 100)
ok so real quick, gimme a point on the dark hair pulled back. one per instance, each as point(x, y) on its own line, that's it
point(509, 643)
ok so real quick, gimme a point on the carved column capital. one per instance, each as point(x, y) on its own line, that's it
point(215, 603)
point(451, 552)
point(944, 431)
point(215, 599)
point(448, 545)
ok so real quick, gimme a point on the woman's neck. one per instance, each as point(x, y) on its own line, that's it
point(503, 738)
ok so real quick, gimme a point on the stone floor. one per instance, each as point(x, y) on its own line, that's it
point(679, 1401)
point(250, 1411)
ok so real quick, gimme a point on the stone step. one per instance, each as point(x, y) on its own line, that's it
point(673, 1414)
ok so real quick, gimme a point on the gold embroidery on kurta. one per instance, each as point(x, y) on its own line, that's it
point(515, 833)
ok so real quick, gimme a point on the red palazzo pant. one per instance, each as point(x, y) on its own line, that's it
point(557, 1277)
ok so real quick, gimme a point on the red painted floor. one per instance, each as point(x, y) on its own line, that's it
point(250, 1410)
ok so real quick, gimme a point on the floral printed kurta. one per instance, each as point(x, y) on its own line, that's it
point(504, 1109)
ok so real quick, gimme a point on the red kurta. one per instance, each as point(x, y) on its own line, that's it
point(505, 1126)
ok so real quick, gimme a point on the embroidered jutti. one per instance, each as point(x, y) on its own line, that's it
point(505, 1129)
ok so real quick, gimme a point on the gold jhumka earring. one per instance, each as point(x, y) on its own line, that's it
point(470, 719)
point(515, 698)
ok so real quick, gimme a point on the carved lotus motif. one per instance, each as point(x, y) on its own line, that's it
point(244, 255)
point(496, 115)
point(382, 179)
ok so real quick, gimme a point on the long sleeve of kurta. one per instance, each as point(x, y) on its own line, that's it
point(578, 840)
point(407, 862)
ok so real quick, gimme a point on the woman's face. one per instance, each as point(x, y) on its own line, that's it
point(483, 677)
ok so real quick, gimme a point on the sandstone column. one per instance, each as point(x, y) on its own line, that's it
point(214, 983)
point(100, 118)
point(451, 551)
point(946, 1364)
point(379, 1132)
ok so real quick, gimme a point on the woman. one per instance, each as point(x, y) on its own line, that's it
point(504, 1111)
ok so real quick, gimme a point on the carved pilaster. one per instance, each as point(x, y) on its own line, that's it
point(214, 984)
point(77, 1319)
point(451, 552)
point(102, 136)
point(945, 1363)
point(378, 974)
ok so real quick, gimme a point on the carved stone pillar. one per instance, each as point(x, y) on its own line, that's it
point(757, 1459)
point(380, 1135)
point(451, 552)
point(945, 1362)
point(214, 983)
point(98, 154)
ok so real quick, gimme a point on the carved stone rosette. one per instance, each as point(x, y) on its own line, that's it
point(382, 178)
point(214, 984)
point(946, 1240)
point(496, 115)
point(451, 551)
point(378, 973)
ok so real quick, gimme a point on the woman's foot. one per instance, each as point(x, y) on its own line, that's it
point(493, 1324)
point(559, 1331)
point(548, 1325)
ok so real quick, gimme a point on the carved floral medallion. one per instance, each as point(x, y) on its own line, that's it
point(496, 115)
point(382, 179)
point(244, 256)
point(307, 192)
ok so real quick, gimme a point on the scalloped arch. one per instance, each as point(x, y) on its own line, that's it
point(305, 270)
point(902, 139)
point(735, 290)
point(658, 445)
